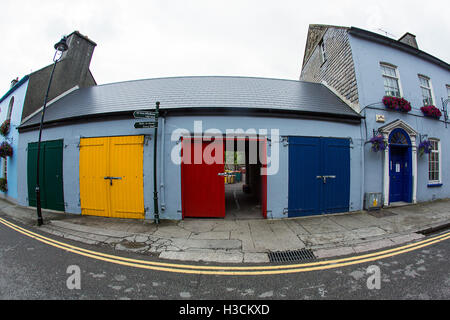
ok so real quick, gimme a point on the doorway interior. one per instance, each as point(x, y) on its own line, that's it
point(232, 189)
point(245, 186)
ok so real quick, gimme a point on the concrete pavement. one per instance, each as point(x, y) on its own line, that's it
point(244, 241)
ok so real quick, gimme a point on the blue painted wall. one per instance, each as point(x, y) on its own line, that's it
point(13, 136)
point(367, 56)
point(170, 174)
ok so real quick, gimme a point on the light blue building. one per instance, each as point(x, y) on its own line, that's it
point(25, 99)
point(363, 67)
point(11, 105)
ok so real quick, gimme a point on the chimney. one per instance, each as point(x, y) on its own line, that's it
point(409, 39)
point(13, 82)
point(72, 71)
point(80, 52)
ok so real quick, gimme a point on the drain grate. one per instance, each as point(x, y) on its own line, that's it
point(288, 256)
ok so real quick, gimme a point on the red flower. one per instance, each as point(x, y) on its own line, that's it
point(431, 111)
point(395, 103)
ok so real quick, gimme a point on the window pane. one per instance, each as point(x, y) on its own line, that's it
point(424, 82)
point(389, 71)
point(391, 87)
point(434, 144)
point(426, 95)
point(433, 162)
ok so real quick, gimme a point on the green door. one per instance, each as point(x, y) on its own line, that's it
point(50, 174)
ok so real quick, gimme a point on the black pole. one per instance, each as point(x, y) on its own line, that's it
point(155, 185)
point(38, 191)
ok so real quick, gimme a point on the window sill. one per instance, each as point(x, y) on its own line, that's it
point(434, 185)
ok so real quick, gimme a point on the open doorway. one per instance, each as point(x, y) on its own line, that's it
point(244, 184)
point(213, 186)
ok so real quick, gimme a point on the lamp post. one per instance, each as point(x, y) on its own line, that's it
point(60, 47)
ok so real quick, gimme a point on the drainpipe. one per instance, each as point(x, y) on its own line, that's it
point(162, 186)
point(363, 160)
point(155, 183)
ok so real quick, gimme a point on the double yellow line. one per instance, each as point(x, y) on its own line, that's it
point(229, 270)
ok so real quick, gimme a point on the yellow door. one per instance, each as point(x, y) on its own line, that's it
point(111, 177)
point(94, 167)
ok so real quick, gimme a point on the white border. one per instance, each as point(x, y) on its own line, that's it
point(386, 131)
point(440, 163)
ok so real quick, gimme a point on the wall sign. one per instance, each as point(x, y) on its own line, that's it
point(380, 118)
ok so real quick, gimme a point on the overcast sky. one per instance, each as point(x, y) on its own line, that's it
point(162, 38)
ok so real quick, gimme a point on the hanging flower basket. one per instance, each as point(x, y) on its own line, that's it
point(6, 150)
point(378, 143)
point(431, 111)
point(3, 185)
point(399, 104)
point(425, 147)
point(4, 128)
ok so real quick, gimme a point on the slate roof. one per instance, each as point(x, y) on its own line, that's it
point(202, 92)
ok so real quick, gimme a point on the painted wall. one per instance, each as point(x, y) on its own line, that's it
point(367, 57)
point(71, 135)
point(169, 177)
point(13, 138)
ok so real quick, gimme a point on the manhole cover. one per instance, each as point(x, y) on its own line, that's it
point(288, 256)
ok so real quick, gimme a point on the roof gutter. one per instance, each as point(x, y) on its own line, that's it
point(353, 119)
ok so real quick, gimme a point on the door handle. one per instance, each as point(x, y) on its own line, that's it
point(111, 179)
point(324, 178)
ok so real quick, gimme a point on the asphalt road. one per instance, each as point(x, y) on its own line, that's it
point(30, 269)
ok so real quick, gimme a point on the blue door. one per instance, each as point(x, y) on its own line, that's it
point(400, 178)
point(319, 176)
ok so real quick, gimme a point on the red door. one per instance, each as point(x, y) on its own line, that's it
point(202, 188)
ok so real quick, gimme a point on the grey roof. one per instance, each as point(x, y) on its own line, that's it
point(208, 92)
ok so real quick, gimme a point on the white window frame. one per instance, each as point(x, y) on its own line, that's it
point(439, 159)
point(323, 51)
point(10, 108)
point(433, 102)
point(397, 76)
point(448, 91)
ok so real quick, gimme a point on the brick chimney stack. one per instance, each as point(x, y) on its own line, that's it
point(14, 81)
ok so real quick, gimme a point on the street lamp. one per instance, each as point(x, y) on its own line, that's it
point(60, 47)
